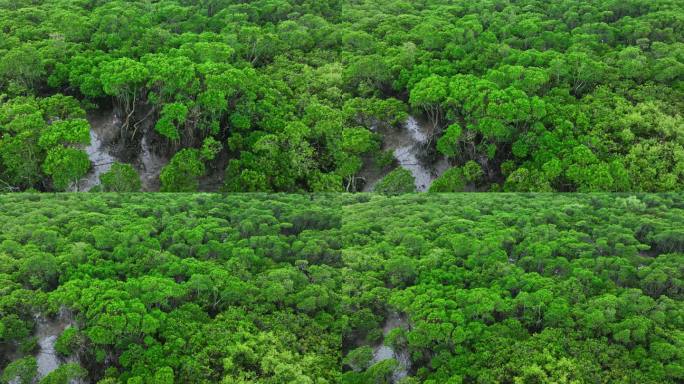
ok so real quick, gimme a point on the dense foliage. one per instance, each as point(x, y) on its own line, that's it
point(296, 289)
point(568, 95)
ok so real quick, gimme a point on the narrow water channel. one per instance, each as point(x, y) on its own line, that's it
point(46, 333)
point(103, 151)
point(149, 166)
point(103, 128)
point(409, 145)
point(385, 352)
point(409, 156)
